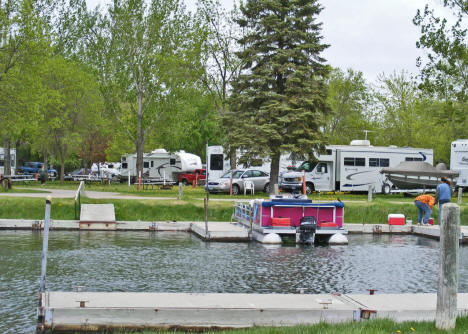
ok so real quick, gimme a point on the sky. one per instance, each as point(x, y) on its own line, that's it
point(372, 36)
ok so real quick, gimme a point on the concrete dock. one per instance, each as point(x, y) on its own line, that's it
point(219, 231)
point(96, 311)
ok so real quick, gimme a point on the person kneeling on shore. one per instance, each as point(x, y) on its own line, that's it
point(424, 204)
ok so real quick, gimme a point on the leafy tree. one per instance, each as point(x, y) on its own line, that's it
point(144, 54)
point(71, 102)
point(222, 64)
point(444, 73)
point(348, 98)
point(279, 101)
point(22, 45)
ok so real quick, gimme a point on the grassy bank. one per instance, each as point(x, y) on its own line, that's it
point(192, 209)
point(378, 326)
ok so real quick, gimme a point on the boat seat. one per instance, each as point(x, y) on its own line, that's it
point(249, 185)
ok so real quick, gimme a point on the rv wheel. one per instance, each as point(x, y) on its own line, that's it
point(309, 188)
point(185, 182)
point(386, 189)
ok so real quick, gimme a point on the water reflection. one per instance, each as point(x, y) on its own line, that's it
point(180, 262)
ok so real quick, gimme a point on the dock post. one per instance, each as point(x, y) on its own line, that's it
point(369, 193)
point(45, 246)
point(181, 191)
point(446, 312)
point(460, 194)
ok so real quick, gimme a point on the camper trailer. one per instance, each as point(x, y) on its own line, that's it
point(218, 162)
point(160, 165)
point(12, 159)
point(459, 161)
point(353, 167)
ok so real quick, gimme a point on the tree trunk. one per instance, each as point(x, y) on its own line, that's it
point(6, 156)
point(17, 145)
point(140, 144)
point(274, 170)
point(232, 158)
point(62, 169)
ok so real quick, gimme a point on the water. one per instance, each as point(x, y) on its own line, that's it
point(180, 262)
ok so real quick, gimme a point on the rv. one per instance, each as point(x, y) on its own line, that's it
point(459, 160)
point(218, 163)
point(160, 165)
point(12, 160)
point(353, 167)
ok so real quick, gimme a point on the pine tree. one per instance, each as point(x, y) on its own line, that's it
point(279, 101)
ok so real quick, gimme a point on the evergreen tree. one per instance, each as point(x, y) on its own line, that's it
point(279, 101)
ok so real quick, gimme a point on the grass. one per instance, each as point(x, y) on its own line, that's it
point(376, 326)
point(357, 209)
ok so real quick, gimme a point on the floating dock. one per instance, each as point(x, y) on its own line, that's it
point(220, 231)
point(96, 311)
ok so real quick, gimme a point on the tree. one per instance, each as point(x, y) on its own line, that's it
point(71, 102)
point(144, 55)
point(22, 46)
point(348, 101)
point(279, 101)
point(221, 63)
point(444, 73)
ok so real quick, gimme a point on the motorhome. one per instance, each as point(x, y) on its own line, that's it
point(459, 160)
point(160, 165)
point(12, 161)
point(354, 167)
point(218, 162)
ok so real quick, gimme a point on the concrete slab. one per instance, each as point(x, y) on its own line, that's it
point(97, 213)
point(220, 231)
point(407, 307)
point(188, 310)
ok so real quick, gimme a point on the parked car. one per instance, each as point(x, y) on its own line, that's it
point(188, 178)
point(35, 167)
point(261, 181)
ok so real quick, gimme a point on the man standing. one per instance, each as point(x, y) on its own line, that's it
point(443, 195)
point(424, 204)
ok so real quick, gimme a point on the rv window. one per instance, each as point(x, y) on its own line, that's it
point(322, 168)
point(145, 164)
point(307, 166)
point(1, 163)
point(413, 159)
point(13, 160)
point(124, 165)
point(172, 162)
point(379, 162)
point(216, 162)
point(354, 161)
point(152, 163)
point(329, 152)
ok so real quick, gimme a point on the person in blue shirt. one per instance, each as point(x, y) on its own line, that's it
point(443, 195)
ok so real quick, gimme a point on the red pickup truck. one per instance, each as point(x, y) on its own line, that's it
point(197, 176)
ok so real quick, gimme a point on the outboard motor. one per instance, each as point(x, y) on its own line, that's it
point(305, 233)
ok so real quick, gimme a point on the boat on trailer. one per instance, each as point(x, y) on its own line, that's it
point(295, 218)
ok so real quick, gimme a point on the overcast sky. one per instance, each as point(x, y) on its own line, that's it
point(372, 36)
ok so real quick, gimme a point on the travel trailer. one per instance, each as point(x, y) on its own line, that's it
point(160, 165)
point(459, 160)
point(218, 163)
point(12, 159)
point(353, 167)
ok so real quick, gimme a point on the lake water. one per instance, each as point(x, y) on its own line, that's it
point(180, 262)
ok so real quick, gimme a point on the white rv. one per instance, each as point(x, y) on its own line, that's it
point(218, 163)
point(160, 165)
point(12, 159)
point(459, 160)
point(354, 167)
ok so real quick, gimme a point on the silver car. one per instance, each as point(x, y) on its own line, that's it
point(240, 177)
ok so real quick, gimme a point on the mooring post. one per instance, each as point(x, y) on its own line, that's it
point(369, 193)
point(45, 244)
point(181, 190)
point(446, 312)
point(460, 194)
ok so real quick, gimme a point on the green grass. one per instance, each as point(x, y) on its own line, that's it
point(357, 209)
point(377, 326)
